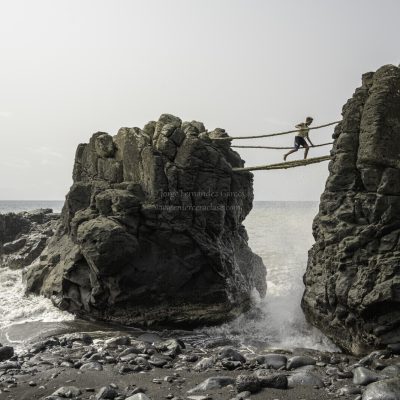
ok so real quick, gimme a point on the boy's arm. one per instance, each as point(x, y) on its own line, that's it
point(309, 141)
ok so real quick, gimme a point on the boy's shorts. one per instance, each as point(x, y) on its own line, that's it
point(299, 141)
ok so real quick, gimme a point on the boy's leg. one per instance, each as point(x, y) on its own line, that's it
point(289, 152)
point(306, 148)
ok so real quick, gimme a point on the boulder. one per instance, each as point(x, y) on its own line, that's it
point(151, 231)
point(352, 281)
point(24, 236)
point(384, 390)
point(6, 352)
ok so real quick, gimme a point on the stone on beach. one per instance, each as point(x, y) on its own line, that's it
point(388, 389)
point(106, 392)
point(214, 382)
point(67, 392)
point(248, 383)
point(204, 363)
point(138, 396)
point(299, 361)
point(93, 366)
point(6, 352)
point(364, 376)
point(276, 381)
point(305, 379)
point(274, 361)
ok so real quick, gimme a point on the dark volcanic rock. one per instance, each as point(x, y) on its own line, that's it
point(248, 383)
point(6, 352)
point(23, 236)
point(352, 282)
point(151, 231)
point(383, 390)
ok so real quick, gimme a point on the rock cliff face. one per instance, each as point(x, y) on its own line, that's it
point(352, 282)
point(151, 231)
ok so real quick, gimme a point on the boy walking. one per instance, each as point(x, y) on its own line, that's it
point(300, 138)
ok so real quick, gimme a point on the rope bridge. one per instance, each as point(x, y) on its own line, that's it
point(278, 148)
point(283, 165)
point(273, 134)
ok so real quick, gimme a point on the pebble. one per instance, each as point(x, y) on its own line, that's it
point(231, 365)
point(95, 366)
point(276, 381)
point(275, 361)
point(118, 341)
point(158, 361)
point(248, 383)
point(150, 338)
point(78, 337)
point(6, 353)
point(215, 382)
point(106, 392)
point(230, 354)
point(171, 347)
point(348, 390)
point(345, 374)
point(68, 392)
point(138, 396)
point(242, 396)
point(299, 361)
point(304, 379)
point(190, 358)
point(388, 389)
point(363, 376)
point(6, 365)
point(204, 363)
point(391, 371)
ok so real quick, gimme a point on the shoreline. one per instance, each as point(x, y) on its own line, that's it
point(172, 366)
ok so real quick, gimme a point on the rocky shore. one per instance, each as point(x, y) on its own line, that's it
point(178, 365)
point(125, 250)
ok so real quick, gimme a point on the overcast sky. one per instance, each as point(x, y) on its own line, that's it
point(70, 68)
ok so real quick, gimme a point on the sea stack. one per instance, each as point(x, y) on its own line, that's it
point(352, 282)
point(151, 231)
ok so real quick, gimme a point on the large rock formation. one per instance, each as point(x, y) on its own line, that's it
point(352, 283)
point(151, 231)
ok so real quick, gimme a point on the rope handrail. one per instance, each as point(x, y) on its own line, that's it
point(284, 165)
point(274, 134)
point(278, 148)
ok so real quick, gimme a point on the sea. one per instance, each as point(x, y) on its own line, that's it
point(279, 232)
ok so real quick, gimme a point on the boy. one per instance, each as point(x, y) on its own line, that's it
point(300, 138)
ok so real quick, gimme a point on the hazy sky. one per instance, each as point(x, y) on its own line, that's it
point(70, 68)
